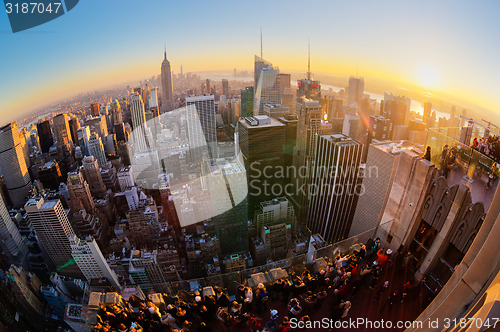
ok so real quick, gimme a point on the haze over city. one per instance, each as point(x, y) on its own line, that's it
point(245, 167)
point(444, 47)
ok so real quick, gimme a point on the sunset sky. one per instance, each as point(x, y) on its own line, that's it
point(447, 46)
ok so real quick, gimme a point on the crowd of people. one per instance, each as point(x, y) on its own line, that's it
point(490, 146)
point(297, 297)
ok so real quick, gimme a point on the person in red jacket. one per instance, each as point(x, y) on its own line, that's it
point(382, 258)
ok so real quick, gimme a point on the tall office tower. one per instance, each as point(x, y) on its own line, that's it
point(96, 149)
point(121, 134)
point(13, 165)
point(287, 92)
point(45, 135)
point(93, 176)
point(290, 121)
point(25, 147)
point(98, 125)
point(109, 177)
point(275, 111)
point(377, 174)
point(285, 83)
point(427, 112)
point(352, 125)
point(125, 178)
point(91, 262)
point(116, 112)
point(309, 127)
point(335, 187)
point(275, 220)
point(74, 125)
point(34, 142)
point(153, 98)
point(309, 89)
point(25, 287)
point(63, 134)
point(83, 139)
point(259, 64)
point(268, 89)
point(356, 90)
point(381, 127)
point(396, 108)
point(95, 110)
point(247, 101)
point(208, 87)
point(140, 137)
point(261, 141)
point(79, 192)
point(139, 228)
point(110, 146)
point(53, 230)
point(50, 175)
point(229, 206)
point(233, 113)
point(225, 88)
point(205, 109)
point(11, 242)
point(167, 90)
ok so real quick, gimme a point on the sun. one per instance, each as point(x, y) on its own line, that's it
point(428, 76)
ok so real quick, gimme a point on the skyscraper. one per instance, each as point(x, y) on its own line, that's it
point(167, 89)
point(153, 99)
point(230, 206)
point(11, 242)
point(95, 111)
point(205, 108)
point(261, 141)
point(96, 149)
point(74, 125)
point(90, 260)
point(334, 187)
point(98, 125)
point(309, 127)
point(79, 192)
point(247, 101)
point(427, 112)
point(259, 64)
point(116, 112)
point(93, 176)
point(83, 139)
point(53, 230)
point(45, 135)
point(140, 137)
point(355, 90)
point(268, 89)
point(13, 165)
point(50, 175)
point(225, 87)
point(290, 122)
point(63, 134)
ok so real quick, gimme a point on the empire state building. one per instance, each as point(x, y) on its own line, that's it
point(167, 91)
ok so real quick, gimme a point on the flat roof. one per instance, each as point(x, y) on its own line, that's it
point(273, 123)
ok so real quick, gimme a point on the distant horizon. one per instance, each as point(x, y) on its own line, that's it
point(410, 93)
point(446, 46)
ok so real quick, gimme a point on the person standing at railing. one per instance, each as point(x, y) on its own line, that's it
point(247, 302)
point(427, 155)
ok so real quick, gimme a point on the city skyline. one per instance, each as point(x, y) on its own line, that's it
point(432, 48)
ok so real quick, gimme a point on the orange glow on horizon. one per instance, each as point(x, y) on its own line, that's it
point(82, 81)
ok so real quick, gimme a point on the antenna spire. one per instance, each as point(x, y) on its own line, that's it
point(261, 42)
point(165, 52)
point(309, 60)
